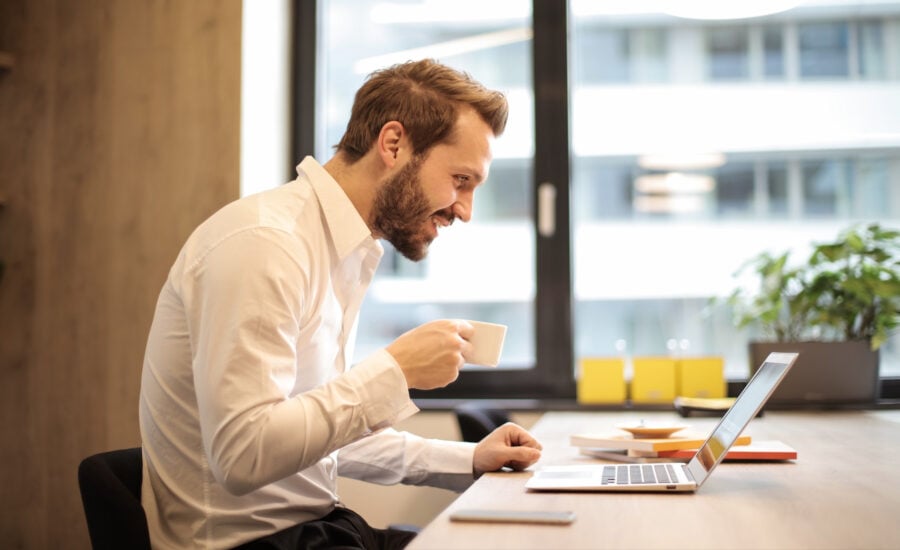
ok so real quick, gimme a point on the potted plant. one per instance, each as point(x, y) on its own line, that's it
point(837, 308)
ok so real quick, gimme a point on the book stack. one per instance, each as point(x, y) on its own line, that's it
point(680, 448)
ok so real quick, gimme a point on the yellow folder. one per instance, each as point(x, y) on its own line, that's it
point(601, 380)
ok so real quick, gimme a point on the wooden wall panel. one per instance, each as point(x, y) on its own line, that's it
point(119, 133)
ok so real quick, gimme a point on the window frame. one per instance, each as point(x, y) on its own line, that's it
point(553, 374)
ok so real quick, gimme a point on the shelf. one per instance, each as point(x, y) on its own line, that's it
point(7, 61)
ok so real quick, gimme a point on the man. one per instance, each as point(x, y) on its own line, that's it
point(249, 408)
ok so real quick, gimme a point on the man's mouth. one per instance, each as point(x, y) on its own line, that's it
point(441, 219)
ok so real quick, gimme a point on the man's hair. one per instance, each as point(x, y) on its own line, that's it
point(425, 96)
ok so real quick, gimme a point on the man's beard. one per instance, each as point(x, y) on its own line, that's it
point(401, 211)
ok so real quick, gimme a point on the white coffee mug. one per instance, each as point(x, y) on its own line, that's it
point(487, 343)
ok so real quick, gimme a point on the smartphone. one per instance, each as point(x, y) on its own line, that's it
point(513, 516)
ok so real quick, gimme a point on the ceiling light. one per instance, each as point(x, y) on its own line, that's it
point(443, 50)
point(664, 204)
point(674, 183)
point(681, 161)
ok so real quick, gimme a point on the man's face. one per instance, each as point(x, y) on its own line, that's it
point(402, 209)
point(432, 190)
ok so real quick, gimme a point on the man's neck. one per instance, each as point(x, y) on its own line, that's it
point(358, 180)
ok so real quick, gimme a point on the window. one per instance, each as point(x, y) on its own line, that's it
point(871, 50)
point(773, 52)
point(766, 139)
point(752, 166)
point(483, 270)
point(728, 53)
point(824, 50)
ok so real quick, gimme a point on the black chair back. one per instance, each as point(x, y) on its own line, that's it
point(110, 484)
point(477, 420)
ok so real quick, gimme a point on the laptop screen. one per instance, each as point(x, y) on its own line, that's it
point(745, 407)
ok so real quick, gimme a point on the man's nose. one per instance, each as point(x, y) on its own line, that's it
point(462, 208)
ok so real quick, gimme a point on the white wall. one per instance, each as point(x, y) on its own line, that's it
point(265, 95)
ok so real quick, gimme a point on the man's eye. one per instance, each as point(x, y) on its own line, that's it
point(462, 180)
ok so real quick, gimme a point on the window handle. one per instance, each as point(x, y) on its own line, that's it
point(546, 209)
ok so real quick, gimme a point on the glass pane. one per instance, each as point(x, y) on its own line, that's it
point(777, 191)
point(728, 53)
point(871, 50)
point(676, 183)
point(734, 190)
point(648, 55)
point(824, 49)
point(822, 183)
point(482, 270)
point(603, 56)
point(873, 181)
point(773, 52)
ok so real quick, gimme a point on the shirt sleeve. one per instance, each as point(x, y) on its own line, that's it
point(389, 457)
point(245, 302)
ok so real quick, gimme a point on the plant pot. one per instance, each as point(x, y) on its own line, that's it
point(825, 374)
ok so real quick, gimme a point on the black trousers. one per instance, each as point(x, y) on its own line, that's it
point(341, 529)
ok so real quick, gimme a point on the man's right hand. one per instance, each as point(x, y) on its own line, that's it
point(431, 355)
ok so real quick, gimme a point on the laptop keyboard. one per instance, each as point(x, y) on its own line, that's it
point(634, 474)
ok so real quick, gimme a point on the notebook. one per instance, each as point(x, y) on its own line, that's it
point(673, 477)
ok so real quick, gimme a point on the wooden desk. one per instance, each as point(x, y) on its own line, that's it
point(843, 492)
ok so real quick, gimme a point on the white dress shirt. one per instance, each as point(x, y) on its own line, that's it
point(248, 407)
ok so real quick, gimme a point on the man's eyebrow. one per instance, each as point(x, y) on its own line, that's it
point(474, 173)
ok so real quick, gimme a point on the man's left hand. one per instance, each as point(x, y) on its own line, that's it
point(508, 446)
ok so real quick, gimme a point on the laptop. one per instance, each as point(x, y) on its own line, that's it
point(673, 477)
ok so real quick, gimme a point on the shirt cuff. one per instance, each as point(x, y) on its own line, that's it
point(383, 389)
point(451, 464)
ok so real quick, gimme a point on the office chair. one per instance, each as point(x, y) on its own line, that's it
point(110, 484)
point(476, 420)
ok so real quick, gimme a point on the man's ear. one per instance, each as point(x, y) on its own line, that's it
point(390, 142)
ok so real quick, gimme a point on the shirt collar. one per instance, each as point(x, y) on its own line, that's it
point(348, 229)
